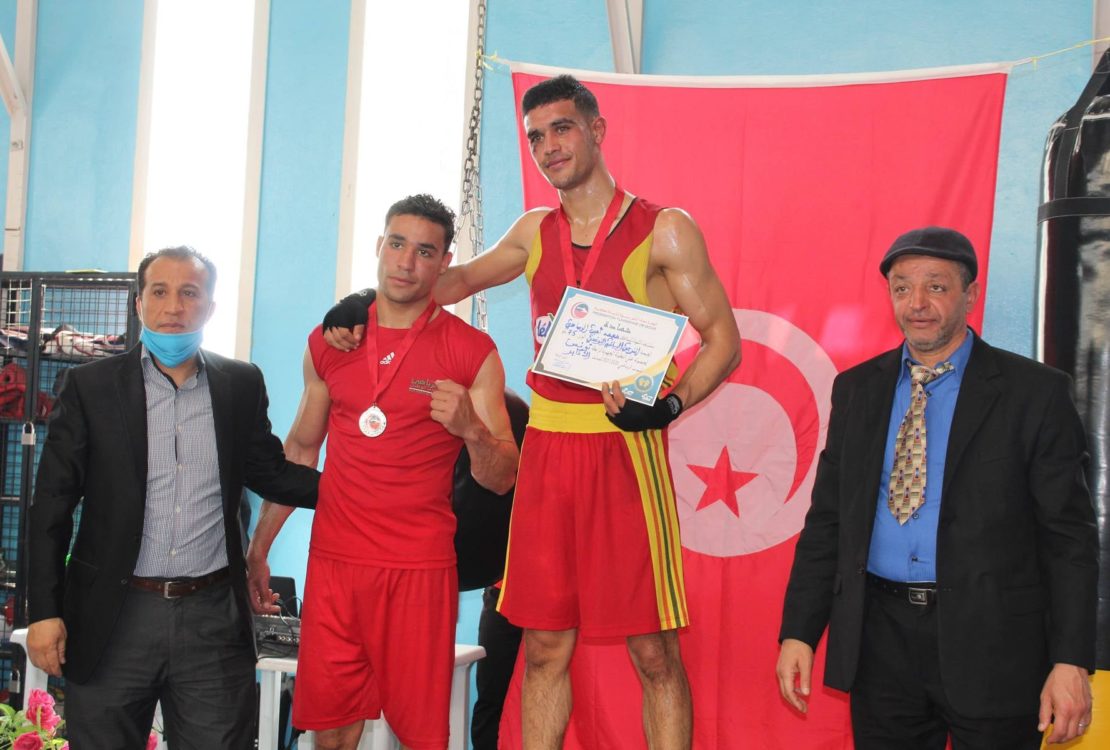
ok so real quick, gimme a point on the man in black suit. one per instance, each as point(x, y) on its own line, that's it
point(951, 551)
point(152, 604)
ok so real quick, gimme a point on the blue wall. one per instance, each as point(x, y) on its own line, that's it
point(86, 101)
point(83, 114)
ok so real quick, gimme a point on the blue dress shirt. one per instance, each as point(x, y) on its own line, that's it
point(909, 552)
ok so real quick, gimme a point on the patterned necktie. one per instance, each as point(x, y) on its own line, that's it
point(907, 476)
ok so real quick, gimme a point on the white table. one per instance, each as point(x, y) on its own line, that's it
point(376, 735)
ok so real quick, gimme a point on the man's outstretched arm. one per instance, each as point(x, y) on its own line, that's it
point(500, 264)
point(345, 322)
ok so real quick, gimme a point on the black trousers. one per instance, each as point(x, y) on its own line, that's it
point(192, 654)
point(501, 640)
point(898, 701)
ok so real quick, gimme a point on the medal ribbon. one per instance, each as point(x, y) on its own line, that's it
point(378, 388)
point(603, 230)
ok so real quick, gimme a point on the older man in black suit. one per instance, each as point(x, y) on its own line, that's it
point(950, 550)
point(157, 444)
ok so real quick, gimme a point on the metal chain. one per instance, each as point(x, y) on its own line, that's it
point(470, 215)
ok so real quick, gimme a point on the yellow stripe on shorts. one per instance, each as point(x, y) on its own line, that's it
point(661, 517)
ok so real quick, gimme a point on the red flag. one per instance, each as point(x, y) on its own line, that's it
point(799, 186)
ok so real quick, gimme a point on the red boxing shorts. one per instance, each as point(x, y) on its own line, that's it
point(377, 641)
point(593, 542)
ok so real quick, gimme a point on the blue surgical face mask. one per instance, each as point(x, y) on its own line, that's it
point(171, 349)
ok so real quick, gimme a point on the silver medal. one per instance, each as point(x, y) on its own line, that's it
point(372, 422)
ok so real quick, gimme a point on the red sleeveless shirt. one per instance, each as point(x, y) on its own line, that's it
point(621, 272)
point(386, 501)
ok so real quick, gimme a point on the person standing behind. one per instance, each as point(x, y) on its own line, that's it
point(157, 445)
point(594, 466)
point(951, 545)
point(381, 593)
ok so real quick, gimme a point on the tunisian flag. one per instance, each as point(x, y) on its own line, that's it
point(799, 185)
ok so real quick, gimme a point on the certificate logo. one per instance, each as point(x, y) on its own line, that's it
point(580, 310)
point(744, 460)
point(542, 326)
point(643, 383)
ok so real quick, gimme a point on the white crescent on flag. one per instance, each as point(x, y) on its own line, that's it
point(742, 482)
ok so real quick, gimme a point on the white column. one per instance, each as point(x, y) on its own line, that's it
point(17, 84)
point(626, 21)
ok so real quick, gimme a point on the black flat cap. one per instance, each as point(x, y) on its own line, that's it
point(937, 242)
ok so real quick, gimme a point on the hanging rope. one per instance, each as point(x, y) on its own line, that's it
point(470, 214)
point(1034, 59)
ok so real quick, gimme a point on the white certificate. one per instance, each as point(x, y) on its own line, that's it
point(596, 339)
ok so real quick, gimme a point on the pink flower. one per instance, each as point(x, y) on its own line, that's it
point(40, 710)
point(39, 698)
point(44, 718)
point(65, 746)
point(152, 741)
point(28, 741)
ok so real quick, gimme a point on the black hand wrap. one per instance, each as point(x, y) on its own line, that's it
point(635, 417)
point(351, 311)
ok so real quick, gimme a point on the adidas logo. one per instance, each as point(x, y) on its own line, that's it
point(386, 359)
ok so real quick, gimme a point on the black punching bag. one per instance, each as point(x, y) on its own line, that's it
point(1073, 302)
